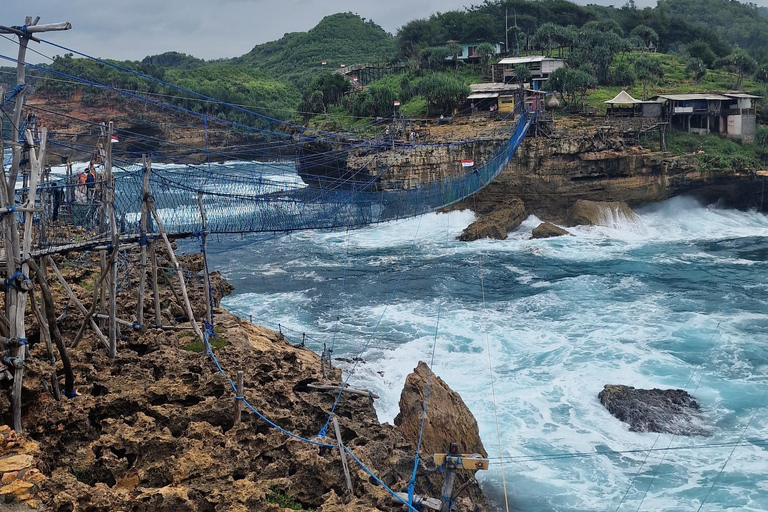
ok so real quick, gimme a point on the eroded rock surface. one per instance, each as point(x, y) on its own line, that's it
point(548, 230)
point(448, 420)
point(497, 222)
point(671, 411)
point(599, 213)
point(153, 429)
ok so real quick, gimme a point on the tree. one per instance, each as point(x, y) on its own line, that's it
point(572, 84)
point(649, 71)
point(647, 35)
point(522, 74)
point(697, 69)
point(325, 90)
point(545, 35)
point(485, 51)
point(516, 35)
point(742, 63)
point(454, 50)
point(700, 50)
point(434, 55)
point(622, 73)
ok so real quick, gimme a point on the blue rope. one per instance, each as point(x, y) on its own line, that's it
point(378, 480)
point(412, 483)
point(324, 429)
point(253, 409)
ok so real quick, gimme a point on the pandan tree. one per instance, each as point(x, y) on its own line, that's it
point(485, 51)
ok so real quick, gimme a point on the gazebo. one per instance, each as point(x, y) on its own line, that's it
point(624, 105)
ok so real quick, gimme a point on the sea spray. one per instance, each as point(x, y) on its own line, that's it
point(679, 304)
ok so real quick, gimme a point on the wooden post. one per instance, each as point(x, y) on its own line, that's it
point(109, 195)
point(239, 398)
point(143, 241)
point(343, 456)
point(187, 306)
point(78, 304)
point(155, 284)
point(53, 326)
point(15, 299)
point(450, 475)
point(206, 275)
point(322, 362)
point(39, 312)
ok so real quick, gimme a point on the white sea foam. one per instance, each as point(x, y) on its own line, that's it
point(677, 304)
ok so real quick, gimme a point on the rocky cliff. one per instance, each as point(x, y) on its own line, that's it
point(549, 174)
point(153, 429)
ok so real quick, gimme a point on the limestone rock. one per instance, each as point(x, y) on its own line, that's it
point(496, 224)
point(598, 213)
point(672, 411)
point(448, 420)
point(548, 230)
point(15, 462)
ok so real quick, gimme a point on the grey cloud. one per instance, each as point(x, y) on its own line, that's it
point(133, 29)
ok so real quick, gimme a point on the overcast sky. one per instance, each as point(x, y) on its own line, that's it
point(209, 29)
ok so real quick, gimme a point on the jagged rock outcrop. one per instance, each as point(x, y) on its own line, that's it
point(599, 213)
point(448, 420)
point(672, 411)
point(551, 173)
point(548, 230)
point(497, 223)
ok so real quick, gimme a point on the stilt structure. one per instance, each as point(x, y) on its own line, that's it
point(17, 268)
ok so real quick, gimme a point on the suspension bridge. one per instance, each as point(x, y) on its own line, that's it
point(130, 201)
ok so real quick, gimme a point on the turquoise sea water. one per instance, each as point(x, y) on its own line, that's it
point(675, 300)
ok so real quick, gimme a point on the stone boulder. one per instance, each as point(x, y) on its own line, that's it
point(448, 420)
point(548, 230)
point(497, 223)
point(671, 411)
point(599, 213)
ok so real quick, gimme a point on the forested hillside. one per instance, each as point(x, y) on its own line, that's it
point(713, 44)
point(344, 38)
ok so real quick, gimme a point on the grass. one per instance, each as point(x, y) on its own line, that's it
point(196, 345)
point(280, 496)
point(716, 153)
point(675, 81)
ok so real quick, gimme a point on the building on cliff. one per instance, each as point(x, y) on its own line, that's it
point(539, 66)
point(731, 113)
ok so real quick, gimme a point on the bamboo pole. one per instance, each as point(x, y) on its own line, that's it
point(343, 455)
point(78, 304)
point(143, 234)
point(186, 304)
point(361, 392)
point(53, 326)
point(18, 305)
point(89, 314)
point(45, 332)
point(155, 284)
point(206, 275)
point(239, 398)
point(109, 195)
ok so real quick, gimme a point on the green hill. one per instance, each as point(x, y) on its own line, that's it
point(343, 38)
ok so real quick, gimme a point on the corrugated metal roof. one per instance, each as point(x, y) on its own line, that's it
point(526, 60)
point(482, 95)
point(694, 96)
point(741, 95)
point(493, 87)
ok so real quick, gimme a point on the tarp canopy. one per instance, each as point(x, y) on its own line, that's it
point(623, 98)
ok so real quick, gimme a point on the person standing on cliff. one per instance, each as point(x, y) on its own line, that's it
point(57, 195)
